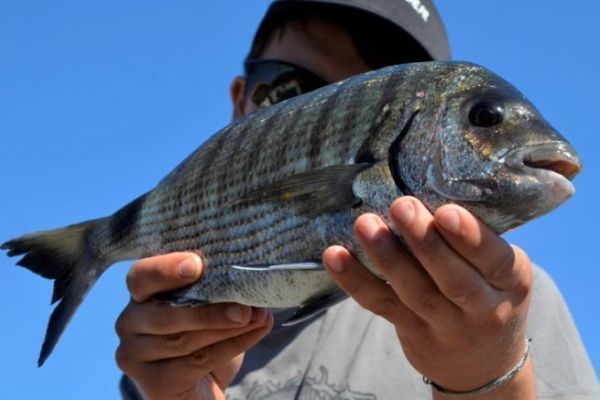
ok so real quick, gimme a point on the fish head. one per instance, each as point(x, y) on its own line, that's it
point(493, 153)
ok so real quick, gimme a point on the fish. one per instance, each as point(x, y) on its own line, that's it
point(261, 199)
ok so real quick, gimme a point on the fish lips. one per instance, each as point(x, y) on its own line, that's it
point(547, 167)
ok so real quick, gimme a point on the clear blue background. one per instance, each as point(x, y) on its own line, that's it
point(100, 99)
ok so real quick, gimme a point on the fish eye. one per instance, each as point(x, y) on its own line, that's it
point(486, 113)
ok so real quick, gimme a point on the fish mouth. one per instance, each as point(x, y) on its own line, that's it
point(553, 163)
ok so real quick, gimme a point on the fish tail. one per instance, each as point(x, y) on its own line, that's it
point(68, 256)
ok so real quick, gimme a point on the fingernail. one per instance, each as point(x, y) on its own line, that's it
point(450, 221)
point(188, 268)
point(370, 226)
point(235, 313)
point(335, 264)
point(405, 212)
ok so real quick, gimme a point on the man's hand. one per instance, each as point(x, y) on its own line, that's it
point(459, 302)
point(183, 353)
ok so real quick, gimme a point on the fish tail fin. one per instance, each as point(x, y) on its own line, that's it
point(68, 256)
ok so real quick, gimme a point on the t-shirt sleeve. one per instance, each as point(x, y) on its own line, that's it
point(562, 367)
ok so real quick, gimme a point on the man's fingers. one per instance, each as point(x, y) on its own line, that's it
point(147, 348)
point(410, 281)
point(453, 275)
point(503, 266)
point(161, 374)
point(370, 292)
point(154, 318)
point(157, 274)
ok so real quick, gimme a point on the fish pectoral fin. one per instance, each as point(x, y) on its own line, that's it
point(316, 305)
point(275, 267)
point(313, 192)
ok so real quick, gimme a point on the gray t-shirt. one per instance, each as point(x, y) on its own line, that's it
point(350, 354)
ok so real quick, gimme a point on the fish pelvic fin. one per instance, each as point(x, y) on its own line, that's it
point(316, 305)
point(65, 256)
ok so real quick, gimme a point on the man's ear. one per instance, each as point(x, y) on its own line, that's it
point(237, 91)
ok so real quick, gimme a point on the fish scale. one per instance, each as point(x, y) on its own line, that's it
point(261, 199)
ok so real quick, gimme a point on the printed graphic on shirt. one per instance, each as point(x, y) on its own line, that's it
point(312, 388)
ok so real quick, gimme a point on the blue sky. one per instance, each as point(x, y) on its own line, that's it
point(99, 100)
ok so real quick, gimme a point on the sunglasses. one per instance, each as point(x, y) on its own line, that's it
point(270, 81)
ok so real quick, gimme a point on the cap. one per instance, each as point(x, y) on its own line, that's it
point(417, 19)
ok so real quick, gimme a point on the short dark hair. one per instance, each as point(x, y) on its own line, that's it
point(379, 43)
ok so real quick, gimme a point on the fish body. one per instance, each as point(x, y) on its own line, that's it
point(262, 198)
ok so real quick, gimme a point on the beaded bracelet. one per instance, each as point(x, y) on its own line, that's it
point(488, 387)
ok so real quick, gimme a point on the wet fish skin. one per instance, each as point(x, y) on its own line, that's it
point(473, 168)
point(277, 187)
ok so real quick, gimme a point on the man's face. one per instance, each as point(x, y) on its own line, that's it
point(316, 45)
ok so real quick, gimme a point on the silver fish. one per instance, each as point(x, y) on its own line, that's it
point(263, 197)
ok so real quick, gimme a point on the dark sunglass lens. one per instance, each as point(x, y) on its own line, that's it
point(269, 82)
point(260, 95)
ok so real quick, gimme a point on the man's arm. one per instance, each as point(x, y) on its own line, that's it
point(459, 302)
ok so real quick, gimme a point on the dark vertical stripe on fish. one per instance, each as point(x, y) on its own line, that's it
point(281, 141)
point(221, 175)
point(318, 131)
point(259, 145)
point(364, 153)
point(227, 183)
point(122, 223)
point(394, 154)
point(387, 96)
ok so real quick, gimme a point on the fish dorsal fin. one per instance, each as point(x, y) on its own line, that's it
point(313, 192)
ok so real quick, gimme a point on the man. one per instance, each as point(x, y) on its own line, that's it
point(458, 311)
